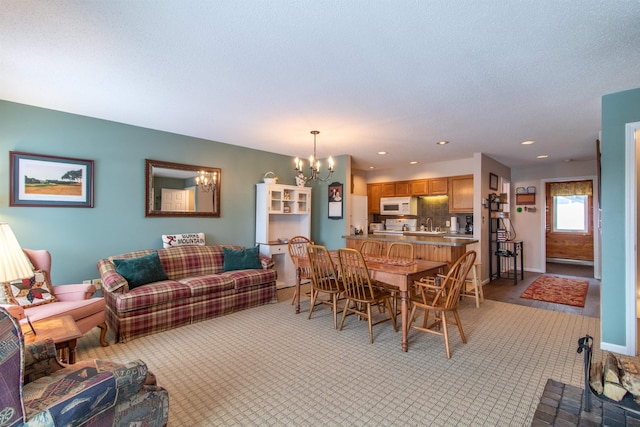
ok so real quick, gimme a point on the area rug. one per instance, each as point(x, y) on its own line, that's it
point(558, 290)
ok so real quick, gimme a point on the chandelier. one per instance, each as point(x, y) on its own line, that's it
point(314, 166)
point(206, 181)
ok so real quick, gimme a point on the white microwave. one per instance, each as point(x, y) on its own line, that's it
point(398, 206)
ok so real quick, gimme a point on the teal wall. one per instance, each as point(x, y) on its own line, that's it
point(617, 110)
point(325, 231)
point(78, 238)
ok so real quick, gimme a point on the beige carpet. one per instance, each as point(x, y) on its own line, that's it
point(269, 366)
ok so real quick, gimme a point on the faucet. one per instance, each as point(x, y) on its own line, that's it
point(429, 221)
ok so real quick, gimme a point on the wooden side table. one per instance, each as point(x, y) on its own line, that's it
point(62, 330)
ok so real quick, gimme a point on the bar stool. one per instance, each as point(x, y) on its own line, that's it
point(475, 290)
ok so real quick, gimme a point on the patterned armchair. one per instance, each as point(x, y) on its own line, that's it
point(36, 390)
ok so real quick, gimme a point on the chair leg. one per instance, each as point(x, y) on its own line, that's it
point(344, 312)
point(392, 314)
point(293, 299)
point(370, 322)
point(314, 295)
point(445, 332)
point(335, 310)
point(455, 314)
point(103, 334)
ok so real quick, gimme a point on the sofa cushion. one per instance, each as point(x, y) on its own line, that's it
point(190, 261)
point(242, 259)
point(208, 285)
point(141, 270)
point(151, 295)
point(246, 278)
point(29, 292)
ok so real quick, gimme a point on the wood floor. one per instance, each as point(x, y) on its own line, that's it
point(505, 291)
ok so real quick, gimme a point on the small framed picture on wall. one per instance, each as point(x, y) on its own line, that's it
point(336, 196)
point(493, 181)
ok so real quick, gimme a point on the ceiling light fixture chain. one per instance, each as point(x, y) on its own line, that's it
point(314, 166)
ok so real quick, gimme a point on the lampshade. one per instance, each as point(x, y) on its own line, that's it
point(14, 264)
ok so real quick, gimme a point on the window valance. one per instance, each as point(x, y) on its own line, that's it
point(571, 188)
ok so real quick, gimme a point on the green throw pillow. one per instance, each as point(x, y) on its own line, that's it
point(142, 270)
point(241, 259)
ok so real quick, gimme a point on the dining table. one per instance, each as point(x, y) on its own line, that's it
point(397, 272)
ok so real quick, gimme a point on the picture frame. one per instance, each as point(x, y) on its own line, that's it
point(39, 180)
point(336, 198)
point(493, 181)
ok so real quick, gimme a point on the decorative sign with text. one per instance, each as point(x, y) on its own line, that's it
point(171, 240)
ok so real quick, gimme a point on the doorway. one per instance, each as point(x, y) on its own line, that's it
point(569, 227)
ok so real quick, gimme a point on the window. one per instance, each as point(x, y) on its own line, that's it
point(571, 214)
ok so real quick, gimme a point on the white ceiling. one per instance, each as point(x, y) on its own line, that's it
point(370, 75)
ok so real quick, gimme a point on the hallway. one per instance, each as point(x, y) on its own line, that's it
point(504, 290)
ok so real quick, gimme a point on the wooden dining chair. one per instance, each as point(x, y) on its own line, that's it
point(360, 293)
point(442, 296)
point(371, 247)
point(324, 280)
point(297, 247)
point(400, 250)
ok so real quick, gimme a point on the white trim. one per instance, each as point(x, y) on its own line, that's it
point(631, 229)
point(620, 349)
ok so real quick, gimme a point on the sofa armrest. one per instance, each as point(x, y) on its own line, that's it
point(112, 281)
point(40, 359)
point(77, 292)
point(130, 376)
point(267, 262)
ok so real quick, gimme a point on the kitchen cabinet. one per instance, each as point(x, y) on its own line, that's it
point(461, 194)
point(438, 186)
point(374, 192)
point(419, 187)
point(403, 188)
point(282, 212)
point(388, 189)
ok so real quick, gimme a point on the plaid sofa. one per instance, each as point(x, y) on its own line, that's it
point(198, 289)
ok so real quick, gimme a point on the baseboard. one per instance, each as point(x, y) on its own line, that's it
point(570, 261)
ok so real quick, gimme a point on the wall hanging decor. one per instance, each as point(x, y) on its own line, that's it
point(493, 181)
point(336, 196)
point(39, 180)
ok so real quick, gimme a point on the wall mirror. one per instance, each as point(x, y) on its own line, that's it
point(175, 189)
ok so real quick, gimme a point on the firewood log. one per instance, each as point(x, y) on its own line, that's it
point(630, 376)
point(611, 369)
point(595, 377)
point(614, 391)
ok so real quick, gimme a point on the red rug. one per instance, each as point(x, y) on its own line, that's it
point(558, 290)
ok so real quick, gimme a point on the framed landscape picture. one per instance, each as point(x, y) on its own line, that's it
point(50, 181)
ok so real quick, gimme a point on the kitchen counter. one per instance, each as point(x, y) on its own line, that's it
point(432, 248)
point(418, 238)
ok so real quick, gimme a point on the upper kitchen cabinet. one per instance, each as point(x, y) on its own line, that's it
point(374, 192)
point(438, 186)
point(419, 187)
point(403, 188)
point(461, 194)
point(388, 189)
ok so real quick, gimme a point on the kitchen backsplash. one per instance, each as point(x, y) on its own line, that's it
point(434, 207)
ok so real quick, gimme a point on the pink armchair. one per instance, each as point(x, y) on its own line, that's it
point(73, 300)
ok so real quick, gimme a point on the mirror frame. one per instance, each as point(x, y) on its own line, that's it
point(148, 169)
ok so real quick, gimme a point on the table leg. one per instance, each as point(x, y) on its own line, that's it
point(404, 308)
point(72, 351)
point(298, 290)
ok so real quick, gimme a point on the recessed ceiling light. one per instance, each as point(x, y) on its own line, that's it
point(568, 160)
point(413, 163)
point(442, 142)
point(382, 153)
point(372, 167)
point(527, 142)
point(542, 156)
